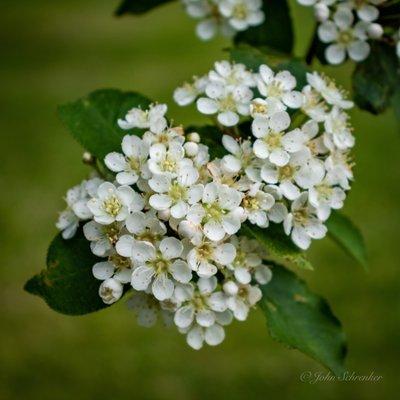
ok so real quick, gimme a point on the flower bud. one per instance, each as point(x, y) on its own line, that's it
point(110, 291)
point(230, 288)
point(191, 148)
point(375, 31)
point(193, 137)
point(88, 158)
point(321, 12)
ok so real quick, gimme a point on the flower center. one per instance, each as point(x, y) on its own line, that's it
point(213, 211)
point(273, 140)
point(240, 259)
point(112, 206)
point(169, 165)
point(251, 203)
point(119, 262)
point(240, 11)
point(227, 103)
point(177, 192)
point(325, 191)
point(275, 89)
point(112, 232)
point(148, 236)
point(286, 172)
point(345, 37)
point(301, 216)
point(134, 164)
point(259, 108)
point(205, 251)
point(160, 264)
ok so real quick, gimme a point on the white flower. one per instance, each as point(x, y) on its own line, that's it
point(345, 38)
point(132, 163)
point(339, 169)
point(240, 157)
point(272, 142)
point(188, 92)
point(145, 227)
point(245, 297)
point(213, 335)
point(200, 303)
point(220, 212)
point(228, 104)
point(247, 264)
point(176, 195)
point(110, 291)
point(116, 267)
point(365, 9)
point(256, 204)
point(230, 75)
point(145, 119)
point(159, 267)
point(303, 224)
point(313, 104)
point(114, 203)
point(102, 238)
point(325, 197)
point(279, 87)
point(327, 88)
point(167, 161)
point(266, 107)
point(302, 170)
point(165, 136)
point(206, 256)
point(242, 14)
point(338, 130)
point(77, 209)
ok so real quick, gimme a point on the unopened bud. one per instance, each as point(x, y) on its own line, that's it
point(375, 31)
point(193, 137)
point(191, 148)
point(230, 288)
point(88, 158)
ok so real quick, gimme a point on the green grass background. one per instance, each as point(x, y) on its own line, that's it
point(56, 51)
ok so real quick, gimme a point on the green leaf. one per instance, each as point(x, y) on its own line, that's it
point(302, 320)
point(92, 120)
point(278, 244)
point(342, 230)
point(68, 285)
point(138, 6)
point(275, 33)
point(376, 78)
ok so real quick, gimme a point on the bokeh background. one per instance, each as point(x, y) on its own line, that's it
point(57, 51)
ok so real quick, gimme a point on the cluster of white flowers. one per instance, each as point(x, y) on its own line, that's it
point(297, 168)
point(224, 16)
point(169, 225)
point(346, 26)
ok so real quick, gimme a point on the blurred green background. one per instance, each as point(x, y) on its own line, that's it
point(56, 51)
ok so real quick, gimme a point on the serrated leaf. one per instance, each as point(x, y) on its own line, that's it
point(342, 230)
point(376, 78)
point(68, 285)
point(302, 320)
point(278, 244)
point(92, 120)
point(275, 33)
point(139, 6)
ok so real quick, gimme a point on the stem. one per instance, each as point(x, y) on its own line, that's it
point(312, 48)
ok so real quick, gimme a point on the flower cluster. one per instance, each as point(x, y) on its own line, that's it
point(169, 225)
point(297, 167)
point(347, 26)
point(224, 16)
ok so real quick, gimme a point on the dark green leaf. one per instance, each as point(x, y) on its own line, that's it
point(275, 33)
point(68, 285)
point(138, 6)
point(302, 320)
point(278, 244)
point(342, 230)
point(92, 120)
point(375, 79)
